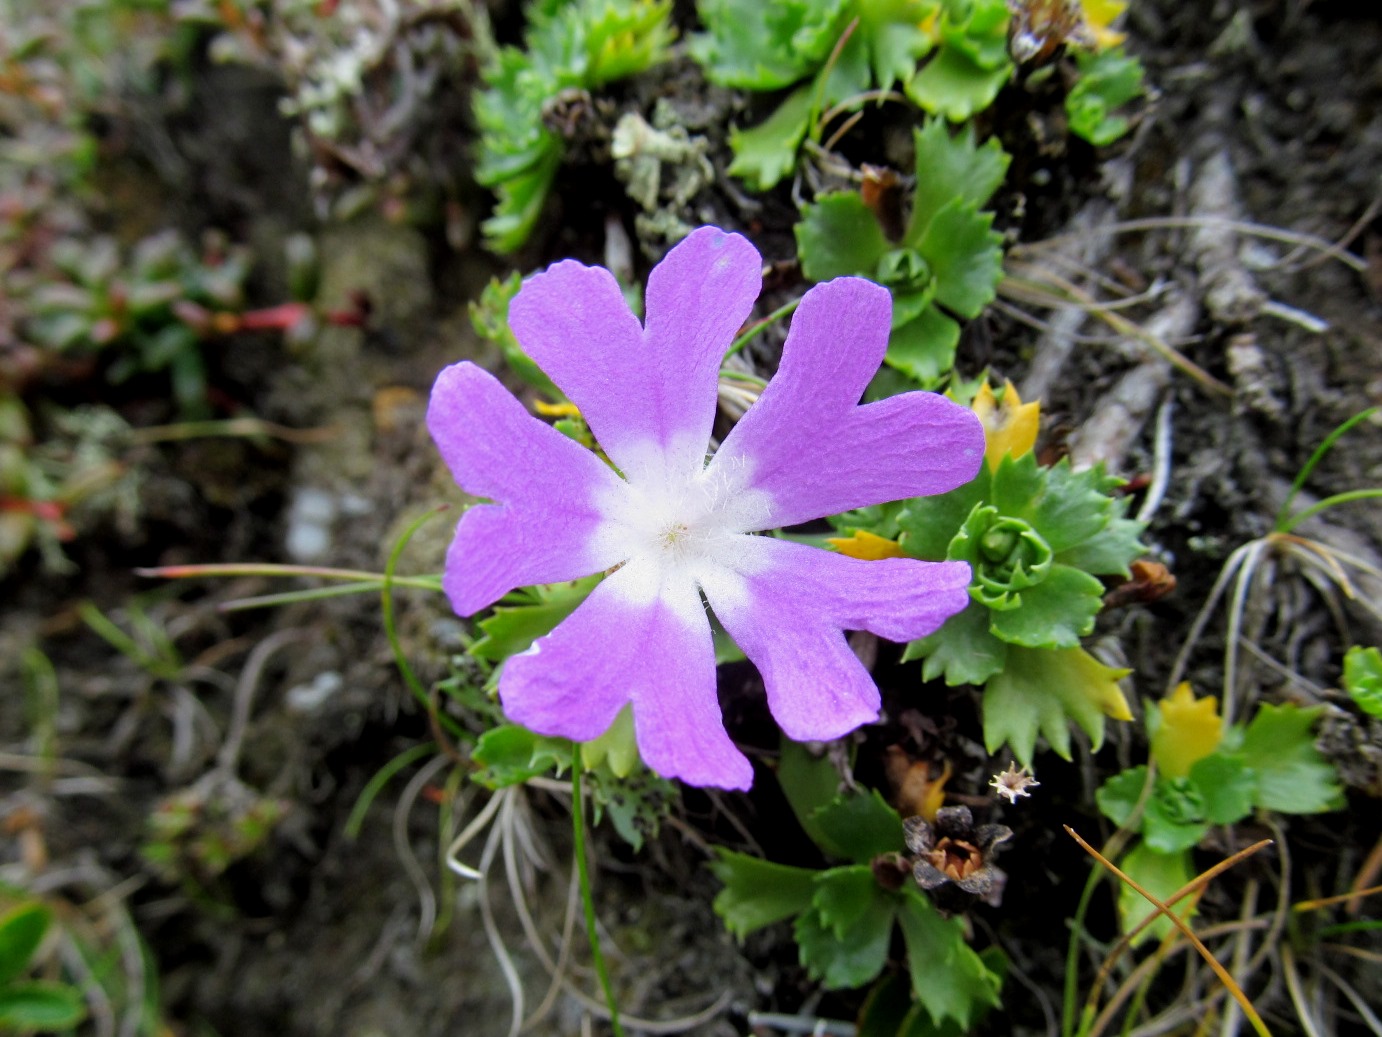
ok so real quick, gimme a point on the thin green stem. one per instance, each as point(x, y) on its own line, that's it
point(1072, 955)
point(587, 900)
point(376, 785)
point(391, 628)
point(1324, 505)
point(339, 590)
point(1284, 523)
point(757, 326)
point(818, 101)
point(184, 572)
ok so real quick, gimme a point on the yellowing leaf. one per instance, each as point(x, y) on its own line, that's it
point(868, 546)
point(556, 410)
point(1010, 427)
point(1099, 15)
point(1189, 731)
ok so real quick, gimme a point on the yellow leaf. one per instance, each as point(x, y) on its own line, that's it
point(1190, 730)
point(1099, 15)
point(868, 546)
point(1010, 427)
point(556, 410)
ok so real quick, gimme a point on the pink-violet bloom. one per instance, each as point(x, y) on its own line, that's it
point(670, 526)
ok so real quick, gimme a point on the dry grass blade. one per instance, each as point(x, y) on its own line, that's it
point(1041, 287)
point(1186, 931)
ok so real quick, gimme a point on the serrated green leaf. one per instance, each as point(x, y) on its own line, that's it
point(948, 978)
point(966, 256)
point(1108, 80)
point(21, 931)
point(924, 348)
point(1118, 796)
point(766, 153)
point(1055, 613)
point(1041, 691)
point(1363, 679)
point(1109, 552)
point(1174, 819)
point(838, 236)
point(951, 168)
point(759, 892)
point(1074, 507)
point(843, 895)
point(953, 85)
point(928, 524)
point(1160, 874)
point(978, 29)
point(511, 629)
point(895, 40)
point(40, 1006)
point(963, 651)
point(510, 755)
point(1292, 775)
point(859, 827)
point(854, 955)
point(1227, 787)
point(758, 46)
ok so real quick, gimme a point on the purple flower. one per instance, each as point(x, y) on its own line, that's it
point(670, 526)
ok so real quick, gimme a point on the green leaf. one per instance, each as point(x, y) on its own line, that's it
point(1118, 796)
point(809, 782)
point(40, 1006)
point(843, 896)
point(758, 46)
point(895, 40)
point(952, 85)
point(1227, 787)
point(838, 236)
point(759, 892)
point(949, 169)
point(1161, 875)
point(928, 524)
point(766, 153)
point(859, 827)
point(513, 629)
point(966, 255)
point(847, 951)
point(1292, 775)
point(21, 931)
point(924, 348)
point(1110, 551)
point(1074, 506)
point(1108, 80)
point(1055, 613)
point(1363, 678)
point(948, 978)
point(1041, 691)
point(962, 650)
point(511, 754)
point(1174, 819)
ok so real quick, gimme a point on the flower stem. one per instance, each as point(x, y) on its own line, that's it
point(757, 326)
point(583, 871)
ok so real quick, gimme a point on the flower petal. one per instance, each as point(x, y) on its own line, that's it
point(542, 528)
point(622, 645)
point(788, 607)
point(806, 443)
point(649, 396)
